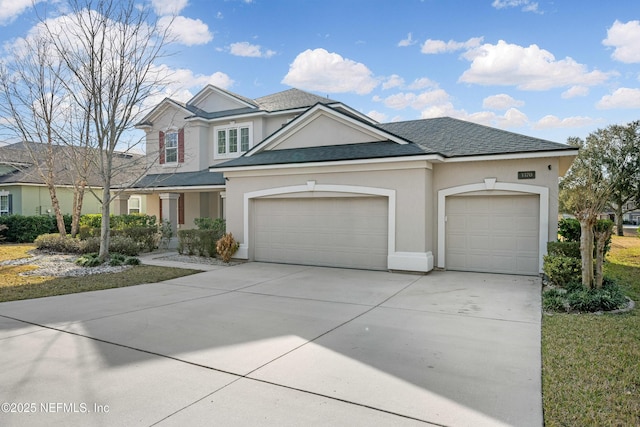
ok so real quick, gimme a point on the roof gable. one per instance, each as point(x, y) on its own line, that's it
point(321, 126)
point(160, 109)
point(212, 99)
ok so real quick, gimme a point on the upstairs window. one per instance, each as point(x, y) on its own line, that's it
point(232, 140)
point(172, 147)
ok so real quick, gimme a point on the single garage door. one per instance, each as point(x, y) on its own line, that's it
point(496, 234)
point(336, 232)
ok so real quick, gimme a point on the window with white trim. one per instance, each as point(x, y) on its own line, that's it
point(134, 204)
point(5, 204)
point(232, 140)
point(171, 147)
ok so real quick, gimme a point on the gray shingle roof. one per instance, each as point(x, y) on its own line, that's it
point(290, 99)
point(370, 150)
point(457, 138)
point(180, 179)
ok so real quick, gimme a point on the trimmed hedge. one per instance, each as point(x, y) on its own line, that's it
point(25, 229)
point(561, 270)
point(118, 222)
point(67, 244)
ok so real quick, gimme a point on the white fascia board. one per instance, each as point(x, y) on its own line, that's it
point(428, 158)
point(159, 109)
point(512, 156)
point(340, 105)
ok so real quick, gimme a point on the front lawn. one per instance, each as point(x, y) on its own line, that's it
point(591, 363)
point(13, 286)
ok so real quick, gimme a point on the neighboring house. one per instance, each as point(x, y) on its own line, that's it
point(24, 192)
point(307, 180)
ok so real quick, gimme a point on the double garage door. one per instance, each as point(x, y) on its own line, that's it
point(496, 234)
point(346, 232)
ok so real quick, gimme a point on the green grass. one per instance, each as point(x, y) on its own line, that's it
point(591, 363)
point(15, 287)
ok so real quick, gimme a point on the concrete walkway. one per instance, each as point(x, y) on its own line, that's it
point(270, 344)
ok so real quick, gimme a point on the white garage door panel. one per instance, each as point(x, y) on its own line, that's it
point(497, 234)
point(336, 232)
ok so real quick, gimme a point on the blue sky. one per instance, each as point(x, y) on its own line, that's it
point(542, 68)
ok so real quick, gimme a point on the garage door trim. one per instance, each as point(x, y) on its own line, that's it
point(491, 184)
point(311, 186)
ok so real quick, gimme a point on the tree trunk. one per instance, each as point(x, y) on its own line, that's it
point(105, 237)
point(78, 197)
point(586, 251)
point(55, 204)
point(619, 224)
point(601, 240)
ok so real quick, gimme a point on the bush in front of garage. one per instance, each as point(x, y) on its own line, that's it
point(563, 275)
point(201, 241)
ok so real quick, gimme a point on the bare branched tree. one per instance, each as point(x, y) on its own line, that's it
point(108, 49)
point(31, 94)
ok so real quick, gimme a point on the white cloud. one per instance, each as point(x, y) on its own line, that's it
point(393, 81)
point(377, 116)
point(403, 100)
point(622, 98)
point(421, 83)
point(11, 9)
point(180, 82)
point(186, 31)
point(575, 91)
point(626, 40)
point(329, 72)
point(407, 42)
point(250, 50)
point(168, 7)
point(501, 102)
point(527, 5)
point(528, 68)
point(440, 46)
point(553, 122)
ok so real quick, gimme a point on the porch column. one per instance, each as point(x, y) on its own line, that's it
point(121, 204)
point(170, 210)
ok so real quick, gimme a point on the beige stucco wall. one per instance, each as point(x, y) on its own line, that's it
point(324, 130)
point(447, 175)
point(411, 181)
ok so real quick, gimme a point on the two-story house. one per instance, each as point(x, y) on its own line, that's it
point(308, 180)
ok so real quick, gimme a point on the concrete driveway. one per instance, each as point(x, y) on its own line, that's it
point(270, 344)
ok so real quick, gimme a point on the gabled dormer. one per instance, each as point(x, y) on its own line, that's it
point(213, 99)
point(322, 125)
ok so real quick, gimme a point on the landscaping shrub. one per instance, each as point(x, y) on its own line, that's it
point(227, 246)
point(569, 229)
point(147, 237)
point(123, 245)
point(578, 299)
point(568, 249)
point(25, 229)
point(188, 242)
point(562, 270)
point(118, 222)
point(207, 223)
point(89, 260)
point(56, 243)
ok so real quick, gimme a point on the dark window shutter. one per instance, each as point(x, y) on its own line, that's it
point(10, 197)
point(181, 209)
point(181, 146)
point(161, 217)
point(161, 148)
